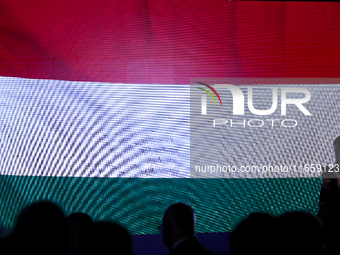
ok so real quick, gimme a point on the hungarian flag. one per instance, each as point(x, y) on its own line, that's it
point(95, 106)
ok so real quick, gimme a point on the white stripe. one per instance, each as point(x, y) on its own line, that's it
point(91, 129)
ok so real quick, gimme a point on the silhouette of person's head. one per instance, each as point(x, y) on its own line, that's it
point(336, 147)
point(253, 235)
point(106, 238)
point(178, 222)
point(76, 224)
point(41, 229)
point(298, 233)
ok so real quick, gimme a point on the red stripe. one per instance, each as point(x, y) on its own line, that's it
point(168, 42)
point(212, 90)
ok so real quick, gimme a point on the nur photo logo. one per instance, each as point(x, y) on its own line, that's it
point(289, 96)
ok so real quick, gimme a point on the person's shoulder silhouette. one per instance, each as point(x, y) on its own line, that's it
point(179, 231)
point(190, 246)
point(106, 238)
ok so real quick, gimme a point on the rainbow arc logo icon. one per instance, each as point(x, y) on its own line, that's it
point(213, 90)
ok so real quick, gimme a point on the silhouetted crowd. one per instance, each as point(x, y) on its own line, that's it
point(42, 228)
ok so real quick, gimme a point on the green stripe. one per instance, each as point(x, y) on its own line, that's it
point(140, 203)
point(209, 94)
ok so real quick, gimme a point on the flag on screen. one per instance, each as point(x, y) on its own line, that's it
point(90, 93)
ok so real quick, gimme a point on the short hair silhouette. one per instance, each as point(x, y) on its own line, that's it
point(74, 220)
point(299, 233)
point(253, 235)
point(183, 216)
point(106, 238)
point(179, 230)
point(337, 141)
point(41, 229)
